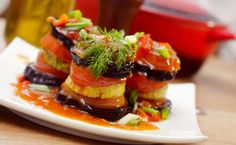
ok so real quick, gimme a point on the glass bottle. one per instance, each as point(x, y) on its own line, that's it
point(27, 18)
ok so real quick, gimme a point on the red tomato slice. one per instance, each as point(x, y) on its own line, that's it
point(41, 65)
point(147, 55)
point(142, 84)
point(82, 76)
point(56, 47)
point(154, 118)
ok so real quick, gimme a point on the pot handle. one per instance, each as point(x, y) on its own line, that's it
point(221, 35)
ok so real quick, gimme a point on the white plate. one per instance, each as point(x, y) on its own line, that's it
point(181, 127)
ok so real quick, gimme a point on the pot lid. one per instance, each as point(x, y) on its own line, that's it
point(188, 9)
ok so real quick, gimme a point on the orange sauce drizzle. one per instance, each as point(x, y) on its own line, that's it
point(47, 101)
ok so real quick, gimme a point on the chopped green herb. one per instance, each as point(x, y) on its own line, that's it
point(128, 117)
point(121, 56)
point(75, 14)
point(135, 107)
point(84, 35)
point(38, 87)
point(78, 25)
point(133, 97)
point(132, 39)
point(95, 30)
point(165, 112)
point(86, 20)
point(139, 34)
point(101, 52)
point(164, 52)
point(150, 110)
point(134, 122)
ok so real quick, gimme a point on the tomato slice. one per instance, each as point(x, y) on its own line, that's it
point(146, 55)
point(83, 76)
point(42, 66)
point(56, 47)
point(154, 118)
point(114, 102)
point(142, 84)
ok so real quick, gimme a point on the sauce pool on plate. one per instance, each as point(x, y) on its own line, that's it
point(46, 100)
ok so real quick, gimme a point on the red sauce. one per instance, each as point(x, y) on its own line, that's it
point(46, 101)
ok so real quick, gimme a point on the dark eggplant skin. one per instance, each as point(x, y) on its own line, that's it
point(156, 75)
point(66, 41)
point(123, 72)
point(113, 72)
point(37, 77)
point(167, 104)
point(107, 114)
point(77, 60)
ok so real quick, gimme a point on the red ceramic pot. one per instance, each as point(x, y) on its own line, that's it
point(193, 33)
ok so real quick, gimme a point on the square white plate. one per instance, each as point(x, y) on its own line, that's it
point(181, 127)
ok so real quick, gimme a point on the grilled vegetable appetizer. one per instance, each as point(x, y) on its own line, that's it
point(53, 62)
point(96, 84)
point(155, 65)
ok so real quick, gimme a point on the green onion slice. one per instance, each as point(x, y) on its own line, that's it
point(133, 97)
point(165, 112)
point(38, 87)
point(128, 117)
point(164, 52)
point(135, 107)
point(131, 39)
point(134, 122)
point(150, 110)
point(76, 14)
point(79, 25)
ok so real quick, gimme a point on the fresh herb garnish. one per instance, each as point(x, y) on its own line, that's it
point(39, 87)
point(105, 48)
point(165, 112)
point(134, 122)
point(75, 14)
point(163, 52)
point(150, 110)
point(130, 119)
point(133, 99)
point(100, 59)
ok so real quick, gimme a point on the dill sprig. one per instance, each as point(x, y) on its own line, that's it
point(98, 57)
point(100, 52)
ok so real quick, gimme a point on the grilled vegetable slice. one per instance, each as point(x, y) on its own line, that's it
point(34, 76)
point(97, 92)
point(110, 114)
point(56, 62)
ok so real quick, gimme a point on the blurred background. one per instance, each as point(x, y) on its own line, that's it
point(196, 29)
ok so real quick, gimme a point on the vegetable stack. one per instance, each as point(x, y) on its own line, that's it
point(53, 61)
point(101, 63)
point(155, 65)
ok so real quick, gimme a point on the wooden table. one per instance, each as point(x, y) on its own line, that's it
point(216, 93)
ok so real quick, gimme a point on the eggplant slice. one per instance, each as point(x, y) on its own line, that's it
point(34, 76)
point(156, 75)
point(107, 114)
point(113, 72)
point(66, 41)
